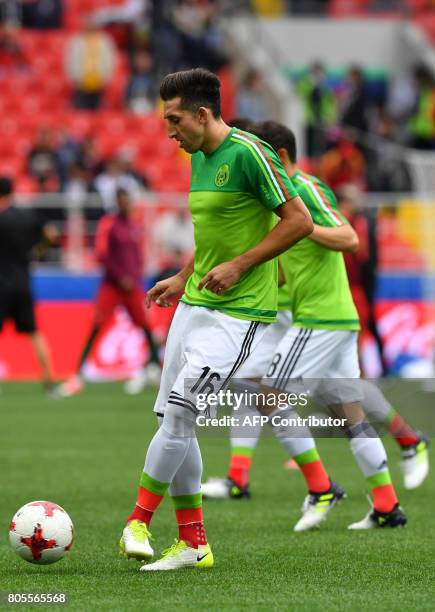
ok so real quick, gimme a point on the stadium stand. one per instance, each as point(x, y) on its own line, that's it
point(41, 96)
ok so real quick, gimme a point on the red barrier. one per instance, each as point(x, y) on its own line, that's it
point(119, 351)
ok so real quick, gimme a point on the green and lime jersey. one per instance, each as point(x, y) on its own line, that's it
point(316, 276)
point(284, 299)
point(232, 195)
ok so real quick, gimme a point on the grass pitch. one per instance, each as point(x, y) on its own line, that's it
point(86, 454)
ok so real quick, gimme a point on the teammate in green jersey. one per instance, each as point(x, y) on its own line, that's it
point(322, 343)
point(230, 294)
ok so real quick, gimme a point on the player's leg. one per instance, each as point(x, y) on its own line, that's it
point(245, 431)
point(191, 547)
point(212, 345)
point(134, 542)
point(42, 351)
point(23, 314)
point(243, 441)
point(302, 354)
point(413, 445)
point(341, 390)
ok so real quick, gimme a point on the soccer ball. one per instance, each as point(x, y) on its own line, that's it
point(41, 532)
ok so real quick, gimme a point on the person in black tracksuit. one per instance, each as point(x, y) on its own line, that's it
point(20, 231)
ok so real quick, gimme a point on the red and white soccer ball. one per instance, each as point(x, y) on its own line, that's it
point(41, 532)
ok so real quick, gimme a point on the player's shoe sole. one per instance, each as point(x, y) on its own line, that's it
point(181, 556)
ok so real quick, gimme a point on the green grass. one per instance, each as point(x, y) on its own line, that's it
point(86, 454)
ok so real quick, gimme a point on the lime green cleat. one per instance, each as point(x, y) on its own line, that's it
point(134, 542)
point(180, 555)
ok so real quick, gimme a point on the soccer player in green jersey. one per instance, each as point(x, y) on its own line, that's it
point(322, 342)
point(230, 295)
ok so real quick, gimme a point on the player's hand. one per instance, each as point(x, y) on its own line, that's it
point(221, 278)
point(164, 290)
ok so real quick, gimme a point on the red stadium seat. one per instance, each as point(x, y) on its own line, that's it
point(42, 97)
point(12, 166)
point(26, 184)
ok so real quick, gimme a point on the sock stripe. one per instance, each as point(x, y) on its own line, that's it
point(240, 450)
point(308, 456)
point(183, 502)
point(153, 485)
point(379, 480)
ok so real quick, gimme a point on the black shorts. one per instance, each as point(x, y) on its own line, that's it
point(16, 303)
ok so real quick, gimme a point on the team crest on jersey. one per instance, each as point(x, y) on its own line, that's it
point(222, 175)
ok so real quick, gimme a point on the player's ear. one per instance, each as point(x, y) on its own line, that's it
point(203, 114)
point(283, 155)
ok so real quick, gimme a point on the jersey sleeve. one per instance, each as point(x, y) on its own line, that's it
point(265, 176)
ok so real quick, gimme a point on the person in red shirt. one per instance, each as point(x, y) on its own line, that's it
point(119, 252)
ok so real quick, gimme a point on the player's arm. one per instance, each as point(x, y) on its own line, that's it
point(295, 223)
point(338, 238)
point(164, 290)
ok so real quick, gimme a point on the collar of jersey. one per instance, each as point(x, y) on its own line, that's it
point(222, 144)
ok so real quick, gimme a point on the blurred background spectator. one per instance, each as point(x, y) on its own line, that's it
point(319, 108)
point(354, 107)
point(343, 164)
point(141, 91)
point(89, 64)
point(200, 42)
point(41, 14)
point(251, 97)
point(113, 178)
point(12, 56)
point(43, 160)
point(422, 119)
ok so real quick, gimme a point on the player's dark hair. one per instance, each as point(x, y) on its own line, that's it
point(241, 123)
point(6, 186)
point(278, 136)
point(196, 87)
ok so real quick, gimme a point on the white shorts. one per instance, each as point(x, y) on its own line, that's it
point(258, 362)
point(204, 350)
point(321, 360)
